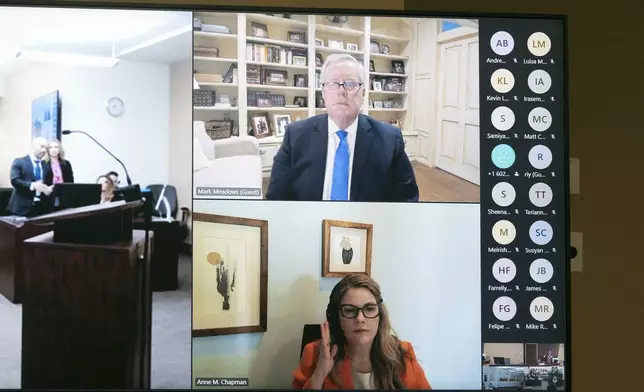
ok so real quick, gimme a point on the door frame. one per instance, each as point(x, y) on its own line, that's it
point(461, 33)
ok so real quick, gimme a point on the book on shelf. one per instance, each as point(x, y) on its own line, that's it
point(275, 54)
point(264, 99)
point(231, 75)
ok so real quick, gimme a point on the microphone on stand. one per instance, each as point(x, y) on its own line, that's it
point(127, 175)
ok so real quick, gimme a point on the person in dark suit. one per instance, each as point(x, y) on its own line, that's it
point(342, 155)
point(30, 196)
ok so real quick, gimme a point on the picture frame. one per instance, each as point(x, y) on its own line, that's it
point(300, 61)
point(46, 116)
point(319, 60)
point(300, 80)
point(301, 102)
point(352, 47)
point(377, 104)
point(374, 47)
point(298, 37)
point(319, 42)
point(346, 248)
point(261, 125)
point(372, 66)
point(259, 30)
point(336, 44)
point(377, 85)
point(225, 246)
point(280, 122)
point(397, 66)
point(276, 77)
point(384, 49)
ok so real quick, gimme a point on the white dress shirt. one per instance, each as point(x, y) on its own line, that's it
point(332, 146)
point(36, 163)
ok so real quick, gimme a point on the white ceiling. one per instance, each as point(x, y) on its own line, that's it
point(148, 36)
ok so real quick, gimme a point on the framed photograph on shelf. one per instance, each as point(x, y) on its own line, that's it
point(374, 47)
point(384, 49)
point(372, 66)
point(259, 30)
point(377, 85)
point(352, 47)
point(300, 80)
point(346, 248)
point(301, 102)
point(336, 44)
point(230, 259)
point(261, 127)
point(280, 122)
point(276, 77)
point(319, 42)
point(319, 60)
point(397, 66)
point(300, 61)
point(377, 104)
point(298, 37)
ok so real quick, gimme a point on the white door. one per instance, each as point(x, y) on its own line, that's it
point(457, 136)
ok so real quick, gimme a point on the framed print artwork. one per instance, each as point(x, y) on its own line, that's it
point(346, 248)
point(230, 275)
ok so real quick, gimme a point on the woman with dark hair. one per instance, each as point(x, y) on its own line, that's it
point(358, 349)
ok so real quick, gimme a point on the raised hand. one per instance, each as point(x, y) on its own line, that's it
point(327, 352)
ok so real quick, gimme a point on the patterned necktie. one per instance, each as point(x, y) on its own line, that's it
point(340, 184)
point(37, 171)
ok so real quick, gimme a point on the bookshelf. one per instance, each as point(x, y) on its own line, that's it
point(276, 54)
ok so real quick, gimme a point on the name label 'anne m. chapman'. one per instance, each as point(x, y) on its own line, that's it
point(222, 382)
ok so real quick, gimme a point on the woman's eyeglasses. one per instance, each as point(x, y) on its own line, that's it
point(369, 311)
point(348, 86)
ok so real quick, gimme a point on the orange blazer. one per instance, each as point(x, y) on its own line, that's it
point(414, 377)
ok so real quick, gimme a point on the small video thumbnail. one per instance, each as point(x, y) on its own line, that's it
point(523, 366)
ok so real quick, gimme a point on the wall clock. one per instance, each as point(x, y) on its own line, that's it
point(115, 107)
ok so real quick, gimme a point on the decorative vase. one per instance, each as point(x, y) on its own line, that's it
point(347, 255)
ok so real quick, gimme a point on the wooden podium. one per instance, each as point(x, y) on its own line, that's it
point(87, 302)
point(13, 231)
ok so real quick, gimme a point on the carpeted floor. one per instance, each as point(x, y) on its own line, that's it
point(171, 336)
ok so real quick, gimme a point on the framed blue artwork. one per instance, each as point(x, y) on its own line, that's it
point(45, 116)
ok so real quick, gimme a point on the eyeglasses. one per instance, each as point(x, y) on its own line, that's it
point(348, 86)
point(369, 311)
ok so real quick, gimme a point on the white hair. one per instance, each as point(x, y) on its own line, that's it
point(343, 58)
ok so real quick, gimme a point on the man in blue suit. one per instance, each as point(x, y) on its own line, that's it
point(30, 196)
point(342, 155)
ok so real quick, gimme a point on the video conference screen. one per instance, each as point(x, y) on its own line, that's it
point(377, 201)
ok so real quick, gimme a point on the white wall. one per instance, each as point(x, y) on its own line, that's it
point(425, 257)
point(140, 138)
point(180, 147)
point(514, 351)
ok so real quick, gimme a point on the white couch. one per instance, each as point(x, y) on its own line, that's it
point(227, 163)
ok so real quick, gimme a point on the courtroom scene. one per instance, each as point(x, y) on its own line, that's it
point(269, 292)
point(351, 108)
point(523, 366)
point(95, 261)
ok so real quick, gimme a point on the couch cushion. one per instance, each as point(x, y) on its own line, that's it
point(207, 144)
point(232, 172)
point(199, 159)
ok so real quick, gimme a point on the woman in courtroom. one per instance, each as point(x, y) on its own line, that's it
point(358, 349)
point(107, 188)
point(61, 169)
